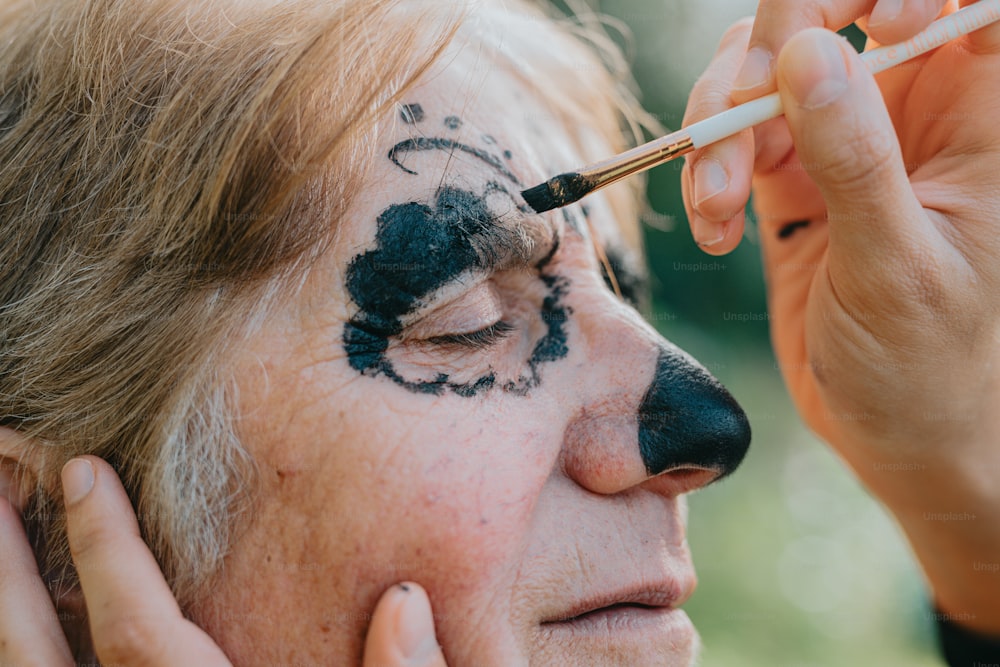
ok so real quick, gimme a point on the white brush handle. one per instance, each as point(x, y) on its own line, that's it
point(765, 108)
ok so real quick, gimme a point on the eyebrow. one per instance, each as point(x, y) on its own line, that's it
point(421, 248)
point(507, 247)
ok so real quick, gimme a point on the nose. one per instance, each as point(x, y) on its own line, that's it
point(687, 420)
point(685, 430)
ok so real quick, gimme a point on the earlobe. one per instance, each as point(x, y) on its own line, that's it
point(19, 470)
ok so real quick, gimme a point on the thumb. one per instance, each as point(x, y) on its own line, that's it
point(845, 140)
point(401, 633)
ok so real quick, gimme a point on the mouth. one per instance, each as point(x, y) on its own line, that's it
point(620, 604)
point(642, 616)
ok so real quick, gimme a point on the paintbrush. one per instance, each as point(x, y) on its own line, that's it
point(567, 188)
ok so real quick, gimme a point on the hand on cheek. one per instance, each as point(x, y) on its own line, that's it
point(133, 616)
point(401, 633)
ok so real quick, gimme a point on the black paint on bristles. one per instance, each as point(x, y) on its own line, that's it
point(558, 191)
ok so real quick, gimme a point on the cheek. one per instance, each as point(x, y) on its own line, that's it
point(374, 491)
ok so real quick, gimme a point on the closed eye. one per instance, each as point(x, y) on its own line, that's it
point(475, 340)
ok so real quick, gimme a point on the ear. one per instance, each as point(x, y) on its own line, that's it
point(19, 472)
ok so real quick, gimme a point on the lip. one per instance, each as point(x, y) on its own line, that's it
point(629, 627)
point(638, 617)
point(634, 601)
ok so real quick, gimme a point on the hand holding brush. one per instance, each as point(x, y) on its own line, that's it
point(878, 207)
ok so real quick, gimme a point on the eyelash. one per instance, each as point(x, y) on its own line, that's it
point(476, 340)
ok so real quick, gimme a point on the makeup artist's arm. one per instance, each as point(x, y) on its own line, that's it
point(133, 616)
point(880, 224)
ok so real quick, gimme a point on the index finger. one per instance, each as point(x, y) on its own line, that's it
point(134, 618)
point(29, 628)
point(777, 20)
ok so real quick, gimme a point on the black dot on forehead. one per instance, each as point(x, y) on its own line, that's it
point(411, 113)
point(453, 122)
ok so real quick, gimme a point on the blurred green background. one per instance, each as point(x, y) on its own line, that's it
point(798, 566)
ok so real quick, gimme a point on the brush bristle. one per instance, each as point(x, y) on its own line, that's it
point(557, 192)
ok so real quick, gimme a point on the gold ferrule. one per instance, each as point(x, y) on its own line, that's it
point(639, 159)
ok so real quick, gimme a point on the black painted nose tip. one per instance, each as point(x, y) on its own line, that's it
point(688, 419)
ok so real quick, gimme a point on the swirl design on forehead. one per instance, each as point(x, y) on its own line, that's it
point(416, 144)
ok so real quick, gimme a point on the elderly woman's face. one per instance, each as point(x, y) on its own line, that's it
point(457, 398)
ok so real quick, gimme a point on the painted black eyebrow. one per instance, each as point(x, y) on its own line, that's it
point(422, 247)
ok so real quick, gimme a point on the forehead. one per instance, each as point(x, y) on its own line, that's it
point(475, 121)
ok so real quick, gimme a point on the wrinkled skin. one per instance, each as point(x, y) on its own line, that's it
point(512, 489)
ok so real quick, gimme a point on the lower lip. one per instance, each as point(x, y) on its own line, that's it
point(624, 623)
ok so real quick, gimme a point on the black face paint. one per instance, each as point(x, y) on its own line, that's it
point(438, 143)
point(419, 249)
point(634, 287)
point(411, 113)
point(570, 217)
point(788, 230)
point(687, 419)
point(453, 122)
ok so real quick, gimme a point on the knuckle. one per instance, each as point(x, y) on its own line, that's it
point(854, 163)
point(129, 640)
point(738, 34)
point(710, 95)
point(87, 541)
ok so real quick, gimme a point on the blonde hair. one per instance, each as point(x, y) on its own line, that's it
point(167, 169)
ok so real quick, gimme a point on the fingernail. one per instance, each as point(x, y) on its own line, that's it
point(707, 233)
point(886, 11)
point(710, 178)
point(756, 69)
point(818, 75)
point(415, 626)
point(77, 480)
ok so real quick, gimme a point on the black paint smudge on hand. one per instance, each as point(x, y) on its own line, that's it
point(419, 249)
point(687, 418)
point(439, 143)
point(411, 113)
point(788, 230)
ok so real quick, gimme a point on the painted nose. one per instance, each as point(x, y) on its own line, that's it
point(688, 421)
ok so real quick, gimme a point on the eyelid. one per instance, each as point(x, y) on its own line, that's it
point(476, 309)
point(476, 340)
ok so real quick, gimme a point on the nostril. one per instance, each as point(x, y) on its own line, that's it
point(685, 479)
point(688, 421)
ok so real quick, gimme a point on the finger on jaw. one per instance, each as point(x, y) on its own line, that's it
point(132, 612)
point(30, 632)
point(716, 179)
point(778, 20)
point(401, 632)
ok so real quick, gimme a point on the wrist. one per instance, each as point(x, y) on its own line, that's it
point(949, 510)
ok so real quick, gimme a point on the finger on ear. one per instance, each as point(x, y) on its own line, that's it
point(18, 471)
